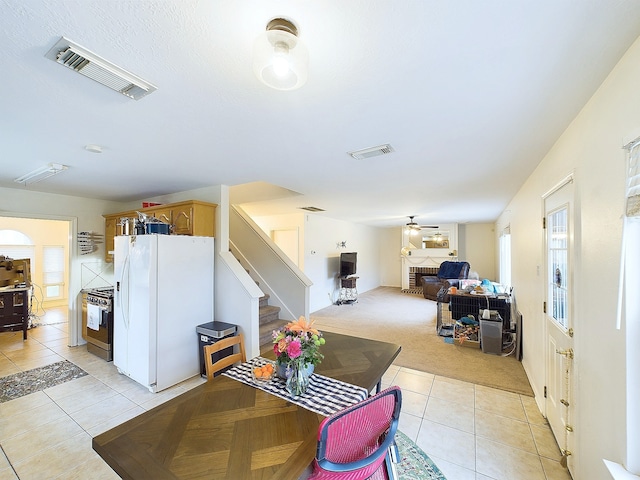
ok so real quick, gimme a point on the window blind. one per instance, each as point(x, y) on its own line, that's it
point(53, 265)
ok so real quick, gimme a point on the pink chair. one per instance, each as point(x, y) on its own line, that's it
point(356, 443)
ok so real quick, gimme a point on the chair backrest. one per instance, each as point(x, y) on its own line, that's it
point(453, 270)
point(237, 357)
point(357, 439)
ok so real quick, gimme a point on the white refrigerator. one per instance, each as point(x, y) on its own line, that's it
point(163, 291)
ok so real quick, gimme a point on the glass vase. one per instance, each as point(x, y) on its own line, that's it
point(281, 369)
point(298, 377)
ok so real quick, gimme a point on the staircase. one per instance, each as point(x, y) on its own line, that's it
point(269, 321)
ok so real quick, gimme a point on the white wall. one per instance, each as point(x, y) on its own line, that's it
point(477, 245)
point(321, 256)
point(390, 260)
point(590, 147)
point(293, 221)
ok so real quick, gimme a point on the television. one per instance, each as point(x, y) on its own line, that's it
point(348, 263)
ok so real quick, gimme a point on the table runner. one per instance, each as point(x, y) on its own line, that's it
point(324, 396)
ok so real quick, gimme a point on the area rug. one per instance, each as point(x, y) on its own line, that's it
point(414, 463)
point(23, 383)
point(388, 315)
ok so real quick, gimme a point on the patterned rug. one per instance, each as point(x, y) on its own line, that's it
point(23, 383)
point(415, 464)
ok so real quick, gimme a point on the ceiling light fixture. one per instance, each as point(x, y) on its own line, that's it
point(41, 173)
point(411, 227)
point(93, 148)
point(372, 151)
point(280, 59)
point(87, 63)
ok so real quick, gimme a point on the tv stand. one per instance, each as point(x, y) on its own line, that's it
point(348, 290)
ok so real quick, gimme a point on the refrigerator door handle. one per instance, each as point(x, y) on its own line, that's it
point(123, 288)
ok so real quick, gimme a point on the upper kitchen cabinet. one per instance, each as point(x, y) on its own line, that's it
point(110, 227)
point(164, 214)
point(192, 217)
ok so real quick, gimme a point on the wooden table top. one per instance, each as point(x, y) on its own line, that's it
point(227, 429)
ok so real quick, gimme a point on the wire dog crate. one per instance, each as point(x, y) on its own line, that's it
point(462, 305)
point(444, 321)
point(467, 304)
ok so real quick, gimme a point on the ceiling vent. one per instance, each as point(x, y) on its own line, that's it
point(81, 60)
point(371, 151)
point(312, 209)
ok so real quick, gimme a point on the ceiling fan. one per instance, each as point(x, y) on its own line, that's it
point(412, 226)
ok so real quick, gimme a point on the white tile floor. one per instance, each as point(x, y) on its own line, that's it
point(471, 432)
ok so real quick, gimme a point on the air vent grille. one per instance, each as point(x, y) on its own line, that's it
point(371, 151)
point(91, 66)
point(312, 209)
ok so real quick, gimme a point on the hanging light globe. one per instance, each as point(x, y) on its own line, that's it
point(280, 59)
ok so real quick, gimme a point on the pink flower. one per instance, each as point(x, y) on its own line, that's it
point(294, 350)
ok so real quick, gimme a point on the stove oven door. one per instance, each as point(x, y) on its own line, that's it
point(102, 338)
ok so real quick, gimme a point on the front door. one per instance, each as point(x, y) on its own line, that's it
point(559, 230)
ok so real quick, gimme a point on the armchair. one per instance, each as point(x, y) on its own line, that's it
point(448, 276)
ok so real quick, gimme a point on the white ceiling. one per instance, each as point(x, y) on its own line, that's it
point(470, 94)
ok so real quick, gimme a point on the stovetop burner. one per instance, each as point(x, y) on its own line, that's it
point(103, 297)
point(101, 292)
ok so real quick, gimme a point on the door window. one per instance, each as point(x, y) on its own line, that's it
point(558, 268)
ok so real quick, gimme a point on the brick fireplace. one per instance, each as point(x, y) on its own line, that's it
point(415, 273)
point(415, 267)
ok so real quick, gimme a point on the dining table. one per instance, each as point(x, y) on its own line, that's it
point(227, 429)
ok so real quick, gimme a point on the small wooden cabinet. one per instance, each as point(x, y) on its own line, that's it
point(191, 217)
point(14, 310)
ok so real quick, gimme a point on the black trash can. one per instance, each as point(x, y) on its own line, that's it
point(209, 333)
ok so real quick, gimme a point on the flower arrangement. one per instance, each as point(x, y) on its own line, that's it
point(298, 342)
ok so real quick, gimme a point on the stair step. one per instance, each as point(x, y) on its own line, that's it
point(266, 340)
point(264, 300)
point(268, 314)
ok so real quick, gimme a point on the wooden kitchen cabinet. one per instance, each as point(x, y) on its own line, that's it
point(162, 214)
point(191, 217)
point(110, 227)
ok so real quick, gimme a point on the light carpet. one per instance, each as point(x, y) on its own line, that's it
point(387, 314)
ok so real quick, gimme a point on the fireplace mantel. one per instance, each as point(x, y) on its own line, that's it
point(427, 257)
point(415, 262)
